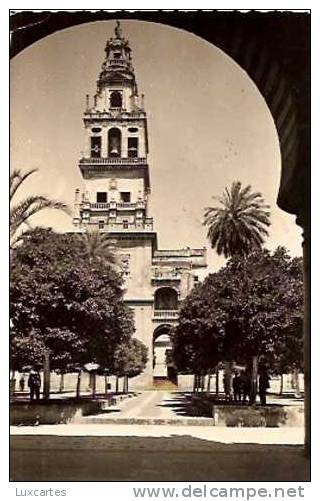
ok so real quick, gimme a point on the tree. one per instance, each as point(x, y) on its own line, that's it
point(238, 225)
point(98, 246)
point(25, 350)
point(198, 338)
point(252, 305)
point(130, 360)
point(74, 304)
point(22, 210)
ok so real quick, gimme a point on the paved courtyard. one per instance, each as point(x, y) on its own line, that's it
point(98, 451)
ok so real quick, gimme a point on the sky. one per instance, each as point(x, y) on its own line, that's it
point(208, 126)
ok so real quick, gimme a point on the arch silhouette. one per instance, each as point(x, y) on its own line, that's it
point(262, 44)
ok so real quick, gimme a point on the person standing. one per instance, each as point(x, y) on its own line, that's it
point(236, 385)
point(22, 383)
point(264, 384)
point(34, 383)
point(245, 386)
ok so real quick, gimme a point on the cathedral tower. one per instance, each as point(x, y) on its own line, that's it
point(115, 171)
point(114, 163)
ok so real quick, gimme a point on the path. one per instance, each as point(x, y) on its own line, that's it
point(160, 404)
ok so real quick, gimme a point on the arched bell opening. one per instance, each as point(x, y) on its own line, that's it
point(116, 98)
point(114, 142)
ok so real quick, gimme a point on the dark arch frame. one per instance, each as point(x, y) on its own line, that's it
point(274, 49)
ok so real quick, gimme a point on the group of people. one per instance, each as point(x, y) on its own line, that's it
point(242, 387)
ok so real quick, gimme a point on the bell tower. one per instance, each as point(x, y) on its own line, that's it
point(114, 162)
point(115, 200)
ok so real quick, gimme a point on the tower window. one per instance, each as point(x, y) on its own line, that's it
point(114, 142)
point(117, 55)
point(132, 147)
point(125, 223)
point(96, 146)
point(102, 197)
point(101, 225)
point(125, 196)
point(115, 99)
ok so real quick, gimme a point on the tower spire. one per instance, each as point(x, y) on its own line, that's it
point(117, 68)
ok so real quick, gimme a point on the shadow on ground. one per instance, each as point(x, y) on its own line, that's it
point(175, 458)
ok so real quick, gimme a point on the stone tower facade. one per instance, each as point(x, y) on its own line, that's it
point(115, 200)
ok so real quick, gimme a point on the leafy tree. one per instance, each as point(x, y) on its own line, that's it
point(26, 350)
point(248, 310)
point(22, 210)
point(75, 305)
point(239, 224)
point(130, 360)
point(198, 338)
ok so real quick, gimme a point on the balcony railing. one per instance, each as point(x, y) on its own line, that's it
point(113, 161)
point(166, 314)
point(99, 205)
point(88, 114)
point(159, 274)
point(117, 61)
point(180, 253)
point(147, 224)
point(116, 205)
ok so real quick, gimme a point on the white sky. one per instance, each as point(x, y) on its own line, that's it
point(208, 126)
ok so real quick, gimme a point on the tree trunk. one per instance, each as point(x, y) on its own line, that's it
point(281, 385)
point(194, 383)
point(198, 383)
point(78, 385)
point(217, 381)
point(13, 383)
point(61, 386)
point(296, 383)
point(125, 384)
point(228, 377)
point(209, 383)
point(117, 384)
point(254, 380)
point(203, 383)
point(94, 385)
point(105, 385)
point(46, 375)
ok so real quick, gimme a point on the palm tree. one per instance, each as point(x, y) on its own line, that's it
point(236, 227)
point(98, 246)
point(21, 212)
point(239, 224)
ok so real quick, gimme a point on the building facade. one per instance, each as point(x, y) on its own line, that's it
point(115, 200)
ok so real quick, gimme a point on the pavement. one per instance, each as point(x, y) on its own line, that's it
point(162, 453)
point(108, 452)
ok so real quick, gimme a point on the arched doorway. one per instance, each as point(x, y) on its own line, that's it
point(164, 371)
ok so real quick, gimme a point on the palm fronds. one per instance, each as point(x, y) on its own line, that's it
point(22, 211)
point(239, 224)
